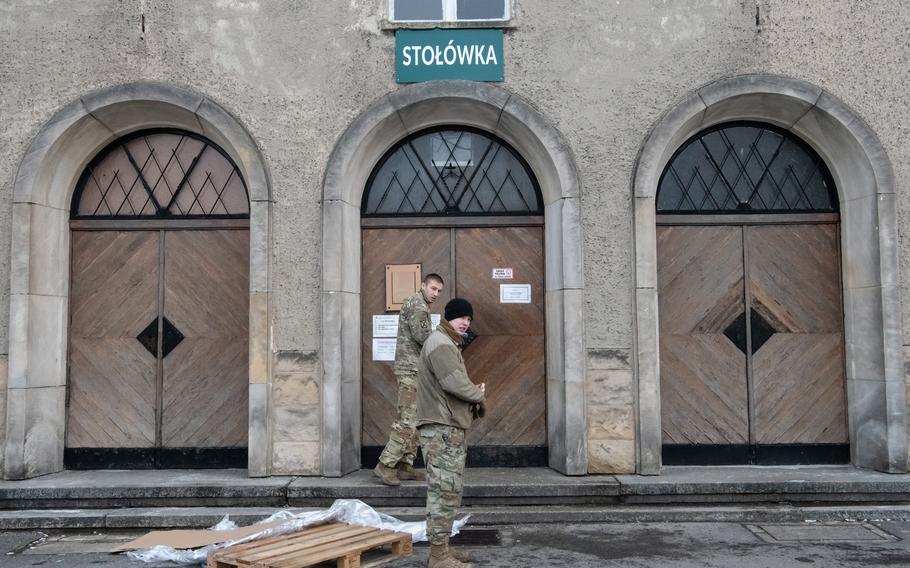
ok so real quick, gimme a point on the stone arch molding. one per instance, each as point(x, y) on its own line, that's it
point(876, 404)
point(387, 121)
point(39, 272)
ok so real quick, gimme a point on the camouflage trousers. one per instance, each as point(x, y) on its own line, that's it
point(444, 450)
point(402, 446)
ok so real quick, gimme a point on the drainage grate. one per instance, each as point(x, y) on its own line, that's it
point(478, 537)
point(783, 533)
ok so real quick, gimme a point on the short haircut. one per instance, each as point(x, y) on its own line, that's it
point(433, 276)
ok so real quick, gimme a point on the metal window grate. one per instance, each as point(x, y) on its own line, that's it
point(452, 172)
point(161, 174)
point(746, 167)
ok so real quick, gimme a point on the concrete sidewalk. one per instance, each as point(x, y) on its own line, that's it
point(881, 544)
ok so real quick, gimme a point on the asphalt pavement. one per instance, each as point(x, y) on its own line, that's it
point(867, 544)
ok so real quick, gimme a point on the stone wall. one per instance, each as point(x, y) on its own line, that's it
point(296, 75)
point(610, 400)
point(296, 413)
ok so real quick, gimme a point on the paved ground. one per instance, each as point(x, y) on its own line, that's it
point(634, 545)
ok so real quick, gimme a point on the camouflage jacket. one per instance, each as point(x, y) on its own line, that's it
point(413, 329)
point(444, 391)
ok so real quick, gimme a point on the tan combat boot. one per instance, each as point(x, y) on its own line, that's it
point(407, 471)
point(459, 554)
point(441, 557)
point(386, 474)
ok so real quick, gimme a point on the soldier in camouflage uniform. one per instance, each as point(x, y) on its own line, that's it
point(447, 404)
point(397, 459)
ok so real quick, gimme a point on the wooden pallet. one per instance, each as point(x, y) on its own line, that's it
point(315, 545)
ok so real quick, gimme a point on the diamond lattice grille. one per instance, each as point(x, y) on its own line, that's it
point(745, 168)
point(161, 174)
point(452, 172)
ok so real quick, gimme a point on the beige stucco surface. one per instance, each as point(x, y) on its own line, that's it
point(297, 74)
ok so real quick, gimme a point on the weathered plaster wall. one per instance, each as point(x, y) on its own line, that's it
point(297, 74)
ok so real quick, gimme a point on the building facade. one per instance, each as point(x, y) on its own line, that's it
point(679, 222)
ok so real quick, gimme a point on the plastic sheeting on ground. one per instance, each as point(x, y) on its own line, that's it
point(351, 511)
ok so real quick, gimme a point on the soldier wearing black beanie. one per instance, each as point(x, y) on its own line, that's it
point(448, 402)
point(458, 307)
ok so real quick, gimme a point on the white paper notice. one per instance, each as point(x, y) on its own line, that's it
point(514, 293)
point(384, 349)
point(385, 326)
point(434, 319)
point(502, 274)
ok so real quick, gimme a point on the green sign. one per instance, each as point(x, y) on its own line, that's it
point(427, 55)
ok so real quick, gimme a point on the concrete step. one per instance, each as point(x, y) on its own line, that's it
point(203, 517)
point(484, 487)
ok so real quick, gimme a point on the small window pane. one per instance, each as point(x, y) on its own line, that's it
point(481, 9)
point(417, 10)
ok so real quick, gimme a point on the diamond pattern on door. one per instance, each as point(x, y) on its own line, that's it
point(149, 337)
point(120, 393)
point(788, 389)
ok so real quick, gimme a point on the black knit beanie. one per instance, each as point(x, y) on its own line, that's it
point(458, 307)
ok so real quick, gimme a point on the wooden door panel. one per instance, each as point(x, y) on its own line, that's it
point(704, 387)
point(515, 390)
point(704, 397)
point(478, 252)
point(700, 278)
point(799, 389)
point(794, 277)
point(798, 374)
point(112, 377)
point(205, 395)
point(205, 378)
point(432, 249)
point(508, 354)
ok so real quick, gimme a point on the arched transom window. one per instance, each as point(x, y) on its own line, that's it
point(161, 174)
point(746, 167)
point(452, 171)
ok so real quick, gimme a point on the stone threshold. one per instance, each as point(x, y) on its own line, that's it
point(528, 487)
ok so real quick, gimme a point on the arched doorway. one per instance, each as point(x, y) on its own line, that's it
point(159, 307)
point(388, 120)
point(860, 167)
point(750, 302)
point(460, 202)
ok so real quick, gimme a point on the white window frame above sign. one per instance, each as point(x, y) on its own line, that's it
point(449, 9)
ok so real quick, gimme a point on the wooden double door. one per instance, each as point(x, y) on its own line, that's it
point(158, 349)
point(508, 354)
point(751, 344)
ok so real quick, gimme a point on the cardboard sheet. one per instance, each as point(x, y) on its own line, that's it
point(193, 538)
